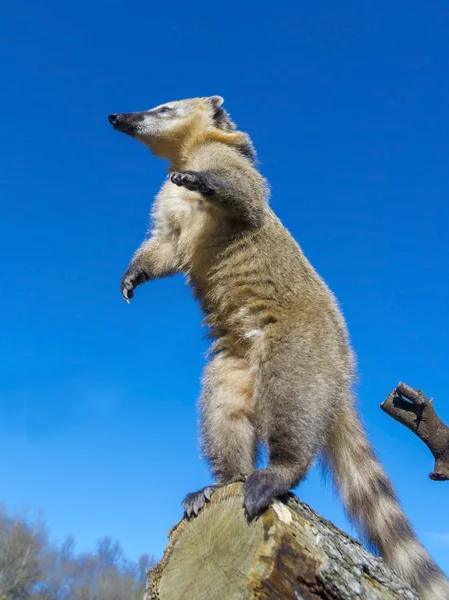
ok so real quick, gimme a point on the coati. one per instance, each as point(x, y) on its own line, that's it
point(281, 368)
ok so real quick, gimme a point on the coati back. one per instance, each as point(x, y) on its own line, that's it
point(281, 368)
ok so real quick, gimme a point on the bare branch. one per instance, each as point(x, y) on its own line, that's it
point(415, 396)
point(414, 410)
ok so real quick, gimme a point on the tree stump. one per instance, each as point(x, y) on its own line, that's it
point(288, 553)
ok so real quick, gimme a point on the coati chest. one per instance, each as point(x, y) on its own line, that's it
point(217, 256)
point(198, 229)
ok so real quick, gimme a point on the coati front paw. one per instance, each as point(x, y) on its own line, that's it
point(194, 181)
point(195, 501)
point(134, 276)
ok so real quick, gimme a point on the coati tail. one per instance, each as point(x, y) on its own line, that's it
point(373, 506)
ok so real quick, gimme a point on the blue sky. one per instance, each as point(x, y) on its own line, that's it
point(347, 106)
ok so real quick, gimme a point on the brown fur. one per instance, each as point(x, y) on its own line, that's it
point(281, 371)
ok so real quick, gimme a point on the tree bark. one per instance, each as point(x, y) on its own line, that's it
point(414, 410)
point(288, 553)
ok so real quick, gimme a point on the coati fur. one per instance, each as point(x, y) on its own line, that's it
point(281, 369)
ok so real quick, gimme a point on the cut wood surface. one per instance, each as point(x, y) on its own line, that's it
point(288, 553)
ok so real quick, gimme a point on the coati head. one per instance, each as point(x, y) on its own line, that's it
point(169, 127)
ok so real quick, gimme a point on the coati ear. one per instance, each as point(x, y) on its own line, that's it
point(220, 117)
point(215, 101)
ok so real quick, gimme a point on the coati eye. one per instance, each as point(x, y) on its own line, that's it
point(164, 109)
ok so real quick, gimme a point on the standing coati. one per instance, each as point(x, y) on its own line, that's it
point(282, 367)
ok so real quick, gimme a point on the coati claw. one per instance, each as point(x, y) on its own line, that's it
point(194, 181)
point(134, 276)
point(195, 501)
point(184, 178)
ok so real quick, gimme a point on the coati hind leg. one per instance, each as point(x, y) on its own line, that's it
point(228, 432)
point(293, 403)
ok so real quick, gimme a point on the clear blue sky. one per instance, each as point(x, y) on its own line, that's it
point(347, 104)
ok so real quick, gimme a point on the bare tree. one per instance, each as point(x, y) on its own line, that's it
point(19, 564)
point(33, 568)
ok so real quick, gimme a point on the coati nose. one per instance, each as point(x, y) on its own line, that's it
point(113, 118)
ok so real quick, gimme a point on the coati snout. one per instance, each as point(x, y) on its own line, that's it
point(126, 122)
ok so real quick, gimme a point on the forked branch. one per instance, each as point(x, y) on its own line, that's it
point(414, 410)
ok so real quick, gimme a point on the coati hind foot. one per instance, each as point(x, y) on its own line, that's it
point(195, 501)
point(261, 487)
